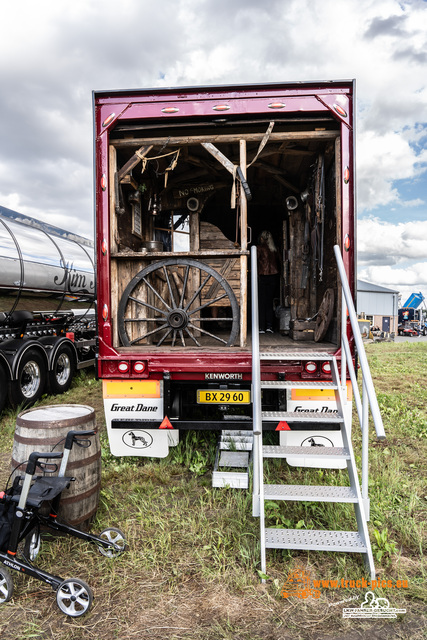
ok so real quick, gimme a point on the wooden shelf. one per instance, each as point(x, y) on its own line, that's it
point(137, 255)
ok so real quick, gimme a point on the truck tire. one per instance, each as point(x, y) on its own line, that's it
point(30, 381)
point(61, 374)
point(3, 388)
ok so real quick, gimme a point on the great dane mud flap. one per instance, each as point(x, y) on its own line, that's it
point(313, 402)
point(131, 408)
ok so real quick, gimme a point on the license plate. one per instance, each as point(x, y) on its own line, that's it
point(223, 396)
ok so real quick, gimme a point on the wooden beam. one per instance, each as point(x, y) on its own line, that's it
point(174, 141)
point(244, 246)
point(137, 157)
point(216, 153)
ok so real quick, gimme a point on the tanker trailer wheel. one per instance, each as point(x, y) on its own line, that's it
point(168, 300)
point(61, 374)
point(3, 388)
point(30, 381)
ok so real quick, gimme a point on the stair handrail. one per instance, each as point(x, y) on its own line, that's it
point(368, 385)
point(258, 480)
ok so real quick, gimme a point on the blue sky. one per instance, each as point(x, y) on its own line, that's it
point(53, 54)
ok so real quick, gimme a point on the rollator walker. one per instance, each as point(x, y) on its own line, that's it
point(22, 519)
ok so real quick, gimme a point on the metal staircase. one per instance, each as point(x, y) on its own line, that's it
point(320, 540)
point(234, 454)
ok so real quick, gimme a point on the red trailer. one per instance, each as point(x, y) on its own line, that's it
point(186, 180)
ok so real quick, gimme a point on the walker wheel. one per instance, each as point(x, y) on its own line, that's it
point(32, 544)
point(115, 537)
point(74, 597)
point(6, 585)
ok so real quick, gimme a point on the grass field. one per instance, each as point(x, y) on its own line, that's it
point(191, 570)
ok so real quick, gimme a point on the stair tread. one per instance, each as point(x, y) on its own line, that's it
point(301, 416)
point(323, 493)
point(277, 451)
point(298, 384)
point(316, 540)
point(291, 355)
point(234, 459)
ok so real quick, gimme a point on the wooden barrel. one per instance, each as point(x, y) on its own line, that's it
point(44, 429)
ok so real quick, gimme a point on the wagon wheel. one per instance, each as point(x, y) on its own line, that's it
point(324, 315)
point(167, 301)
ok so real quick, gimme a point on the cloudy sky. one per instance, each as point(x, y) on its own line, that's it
point(53, 54)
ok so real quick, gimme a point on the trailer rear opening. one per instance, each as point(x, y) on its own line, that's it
point(186, 181)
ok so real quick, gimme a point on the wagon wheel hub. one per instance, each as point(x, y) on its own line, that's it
point(177, 319)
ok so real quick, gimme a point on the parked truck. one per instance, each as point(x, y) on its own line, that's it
point(47, 319)
point(186, 180)
point(412, 317)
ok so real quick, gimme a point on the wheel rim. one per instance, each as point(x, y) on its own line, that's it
point(169, 303)
point(63, 369)
point(34, 546)
point(73, 598)
point(30, 379)
point(115, 537)
point(5, 586)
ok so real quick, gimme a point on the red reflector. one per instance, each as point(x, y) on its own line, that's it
point(139, 367)
point(166, 424)
point(276, 105)
point(310, 367)
point(123, 367)
point(283, 426)
point(326, 367)
point(170, 110)
point(347, 242)
point(221, 107)
point(104, 247)
point(105, 312)
point(103, 182)
point(70, 335)
point(342, 112)
point(346, 175)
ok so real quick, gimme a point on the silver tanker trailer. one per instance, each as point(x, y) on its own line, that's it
point(47, 320)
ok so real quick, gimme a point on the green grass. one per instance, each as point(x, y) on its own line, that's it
point(191, 570)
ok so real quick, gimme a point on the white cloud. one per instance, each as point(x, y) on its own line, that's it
point(394, 242)
point(53, 54)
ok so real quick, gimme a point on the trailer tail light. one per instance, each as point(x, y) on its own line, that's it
point(277, 105)
point(123, 367)
point(310, 367)
point(170, 110)
point(139, 367)
point(326, 367)
point(105, 312)
point(221, 107)
point(70, 335)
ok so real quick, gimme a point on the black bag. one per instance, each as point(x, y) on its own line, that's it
point(7, 514)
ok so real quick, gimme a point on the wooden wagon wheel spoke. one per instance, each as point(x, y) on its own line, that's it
point(145, 304)
point(172, 282)
point(211, 335)
point(150, 333)
point(155, 293)
point(324, 315)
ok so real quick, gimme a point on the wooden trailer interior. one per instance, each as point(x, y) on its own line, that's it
point(200, 194)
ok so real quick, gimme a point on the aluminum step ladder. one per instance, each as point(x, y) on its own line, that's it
point(234, 453)
point(356, 541)
point(317, 540)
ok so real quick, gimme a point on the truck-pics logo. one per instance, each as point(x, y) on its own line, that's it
point(137, 439)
